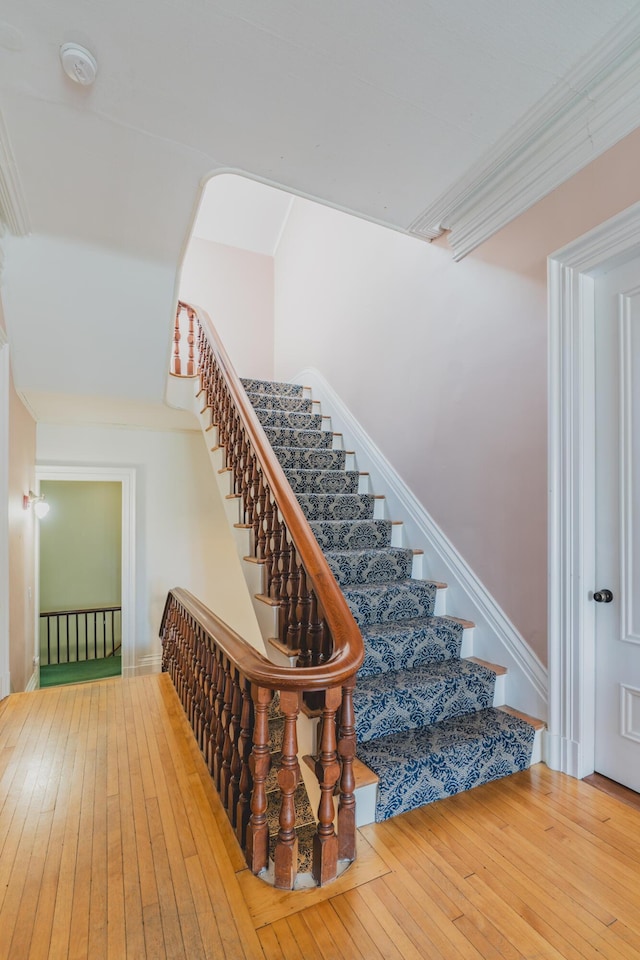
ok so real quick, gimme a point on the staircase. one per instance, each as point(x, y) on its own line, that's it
point(426, 720)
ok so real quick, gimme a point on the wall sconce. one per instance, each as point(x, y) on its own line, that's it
point(40, 505)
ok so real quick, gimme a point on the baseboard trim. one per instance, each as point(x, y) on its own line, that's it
point(144, 666)
point(5, 685)
point(33, 683)
point(495, 639)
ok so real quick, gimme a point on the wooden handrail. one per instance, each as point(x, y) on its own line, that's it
point(252, 664)
point(347, 646)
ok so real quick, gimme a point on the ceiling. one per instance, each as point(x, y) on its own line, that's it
point(242, 213)
point(376, 106)
point(382, 108)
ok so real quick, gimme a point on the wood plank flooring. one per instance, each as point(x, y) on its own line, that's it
point(113, 845)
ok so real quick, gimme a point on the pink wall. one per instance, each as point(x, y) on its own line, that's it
point(235, 287)
point(22, 592)
point(444, 363)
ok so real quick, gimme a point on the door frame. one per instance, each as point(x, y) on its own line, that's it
point(5, 677)
point(126, 476)
point(571, 398)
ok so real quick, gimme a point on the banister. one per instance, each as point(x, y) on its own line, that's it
point(348, 651)
point(226, 686)
point(256, 667)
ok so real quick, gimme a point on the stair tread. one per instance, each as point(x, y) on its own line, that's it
point(429, 763)
point(535, 722)
point(420, 696)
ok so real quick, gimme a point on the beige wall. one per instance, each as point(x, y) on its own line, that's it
point(235, 287)
point(22, 592)
point(182, 537)
point(444, 363)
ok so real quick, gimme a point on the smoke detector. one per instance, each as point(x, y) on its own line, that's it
point(78, 63)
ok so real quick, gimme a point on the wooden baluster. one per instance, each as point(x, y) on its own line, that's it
point(235, 765)
point(314, 633)
point(244, 749)
point(206, 700)
point(219, 708)
point(213, 701)
point(325, 842)
point(227, 747)
point(191, 366)
point(257, 850)
point(177, 368)
point(252, 497)
point(283, 594)
point(260, 529)
point(347, 752)
point(275, 579)
point(304, 606)
point(286, 851)
point(293, 625)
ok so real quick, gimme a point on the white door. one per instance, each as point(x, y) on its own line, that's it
point(617, 358)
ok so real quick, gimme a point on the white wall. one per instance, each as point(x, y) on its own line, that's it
point(444, 363)
point(88, 320)
point(182, 537)
point(235, 287)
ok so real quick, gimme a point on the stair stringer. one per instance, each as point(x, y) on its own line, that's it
point(495, 637)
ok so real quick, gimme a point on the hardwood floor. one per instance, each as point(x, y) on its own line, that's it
point(113, 844)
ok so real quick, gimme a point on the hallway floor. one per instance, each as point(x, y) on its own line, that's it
point(113, 844)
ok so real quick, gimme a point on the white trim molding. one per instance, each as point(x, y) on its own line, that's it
point(13, 207)
point(127, 477)
point(590, 110)
point(571, 271)
point(5, 678)
point(495, 638)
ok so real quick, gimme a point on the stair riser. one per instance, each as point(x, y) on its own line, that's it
point(299, 439)
point(359, 535)
point(271, 388)
point(414, 599)
point(297, 459)
point(337, 506)
point(421, 643)
point(289, 420)
point(323, 482)
point(383, 566)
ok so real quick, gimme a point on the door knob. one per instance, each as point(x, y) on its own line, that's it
point(603, 596)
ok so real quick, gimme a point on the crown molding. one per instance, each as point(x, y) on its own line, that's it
point(590, 110)
point(13, 207)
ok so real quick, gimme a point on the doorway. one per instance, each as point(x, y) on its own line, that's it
point(80, 582)
point(578, 550)
point(92, 634)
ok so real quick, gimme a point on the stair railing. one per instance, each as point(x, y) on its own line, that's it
point(227, 686)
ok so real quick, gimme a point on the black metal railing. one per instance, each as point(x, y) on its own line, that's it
point(68, 636)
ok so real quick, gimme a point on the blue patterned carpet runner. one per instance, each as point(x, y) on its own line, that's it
point(425, 720)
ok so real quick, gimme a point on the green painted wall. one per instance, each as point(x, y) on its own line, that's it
point(80, 545)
